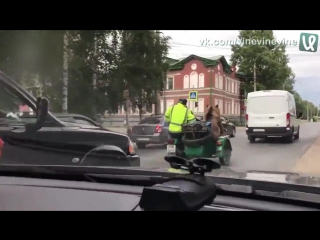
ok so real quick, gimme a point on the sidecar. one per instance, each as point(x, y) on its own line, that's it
point(198, 142)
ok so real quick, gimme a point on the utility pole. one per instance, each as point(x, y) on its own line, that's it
point(94, 77)
point(158, 103)
point(254, 76)
point(164, 96)
point(211, 85)
point(65, 72)
point(255, 68)
point(127, 99)
point(307, 111)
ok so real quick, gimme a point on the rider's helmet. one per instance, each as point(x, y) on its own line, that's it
point(183, 101)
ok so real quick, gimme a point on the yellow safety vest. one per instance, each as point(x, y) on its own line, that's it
point(178, 116)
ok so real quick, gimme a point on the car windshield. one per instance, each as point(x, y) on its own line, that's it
point(115, 98)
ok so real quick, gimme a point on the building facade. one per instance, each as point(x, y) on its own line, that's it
point(213, 78)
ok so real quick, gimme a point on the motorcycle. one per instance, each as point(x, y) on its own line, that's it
point(197, 142)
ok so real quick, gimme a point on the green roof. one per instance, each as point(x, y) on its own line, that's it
point(170, 60)
point(207, 62)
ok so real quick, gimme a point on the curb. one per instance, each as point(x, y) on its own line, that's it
point(309, 162)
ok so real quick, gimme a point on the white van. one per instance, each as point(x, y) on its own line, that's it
point(272, 113)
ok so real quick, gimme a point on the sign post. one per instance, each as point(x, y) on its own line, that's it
point(193, 96)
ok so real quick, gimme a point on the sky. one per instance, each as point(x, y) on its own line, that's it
point(207, 43)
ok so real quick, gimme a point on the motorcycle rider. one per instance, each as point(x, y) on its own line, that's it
point(177, 115)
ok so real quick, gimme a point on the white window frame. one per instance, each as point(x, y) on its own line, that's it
point(167, 83)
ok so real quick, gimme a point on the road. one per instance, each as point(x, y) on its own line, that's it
point(262, 155)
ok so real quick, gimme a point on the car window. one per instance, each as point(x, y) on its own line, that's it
point(13, 110)
point(83, 121)
point(152, 120)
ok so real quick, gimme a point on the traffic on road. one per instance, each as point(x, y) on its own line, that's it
point(116, 120)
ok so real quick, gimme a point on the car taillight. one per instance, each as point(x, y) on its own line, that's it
point(288, 119)
point(247, 117)
point(130, 148)
point(219, 143)
point(1, 146)
point(171, 141)
point(158, 129)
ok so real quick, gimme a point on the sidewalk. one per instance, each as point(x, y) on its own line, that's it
point(309, 163)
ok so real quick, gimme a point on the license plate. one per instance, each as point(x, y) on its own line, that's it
point(171, 148)
point(143, 139)
point(258, 130)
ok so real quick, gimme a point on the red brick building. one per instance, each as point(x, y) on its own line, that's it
point(213, 78)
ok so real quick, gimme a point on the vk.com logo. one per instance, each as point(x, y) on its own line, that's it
point(308, 42)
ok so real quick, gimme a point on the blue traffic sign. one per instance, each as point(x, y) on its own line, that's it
point(193, 96)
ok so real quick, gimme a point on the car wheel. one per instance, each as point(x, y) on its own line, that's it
point(251, 139)
point(297, 136)
point(141, 145)
point(233, 133)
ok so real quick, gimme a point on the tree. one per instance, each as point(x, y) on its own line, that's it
point(271, 60)
point(141, 64)
point(44, 59)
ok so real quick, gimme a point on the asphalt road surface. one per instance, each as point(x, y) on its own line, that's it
point(262, 155)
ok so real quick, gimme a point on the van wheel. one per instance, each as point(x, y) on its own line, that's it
point(252, 139)
point(297, 136)
point(290, 138)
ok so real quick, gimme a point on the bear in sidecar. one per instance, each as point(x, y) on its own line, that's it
point(203, 139)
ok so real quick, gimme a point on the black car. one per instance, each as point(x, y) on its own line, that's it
point(229, 127)
point(28, 140)
point(76, 118)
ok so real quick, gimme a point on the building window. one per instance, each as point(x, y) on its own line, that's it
point(220, 82)
point(186, 82)
point(201, 80)
point(216, 81)
point(170, 83)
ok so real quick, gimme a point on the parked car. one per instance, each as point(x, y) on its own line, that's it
point(151, 130)
point(229, 127)
point(50, 141)
point(154, 130)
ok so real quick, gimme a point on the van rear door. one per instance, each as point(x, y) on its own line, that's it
point(267, 111)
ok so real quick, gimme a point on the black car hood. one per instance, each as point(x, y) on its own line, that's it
point(90, 128)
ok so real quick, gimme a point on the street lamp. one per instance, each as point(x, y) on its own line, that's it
point(255, 68)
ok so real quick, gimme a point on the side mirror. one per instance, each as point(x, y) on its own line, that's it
point(41, 113)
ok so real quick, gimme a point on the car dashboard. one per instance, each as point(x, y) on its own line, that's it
point(31, 194)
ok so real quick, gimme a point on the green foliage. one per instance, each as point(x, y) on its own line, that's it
point(315, 118)
point(272, 67)
point(35, 59)
point(271, 60)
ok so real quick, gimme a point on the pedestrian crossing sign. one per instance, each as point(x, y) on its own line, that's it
point(193, 96)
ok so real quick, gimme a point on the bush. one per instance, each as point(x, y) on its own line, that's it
point(315, 118)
